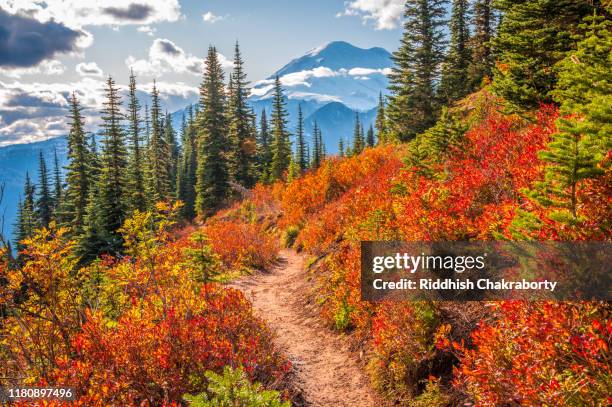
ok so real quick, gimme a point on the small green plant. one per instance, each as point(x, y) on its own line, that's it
point(342, 317)
point(433, 396)
point(290, 235)
point(233, 389)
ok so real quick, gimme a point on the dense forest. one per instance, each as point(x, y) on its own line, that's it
point(498, 126)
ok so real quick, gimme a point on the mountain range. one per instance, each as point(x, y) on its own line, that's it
point(332, 83)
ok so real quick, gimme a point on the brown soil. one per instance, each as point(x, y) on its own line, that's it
point(327, 371)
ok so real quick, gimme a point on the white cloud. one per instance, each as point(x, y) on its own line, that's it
point(147, 29)
point(88, 69)
point(301, 77)
point(364, 72)
point(166, 56)
point(384, 13)
point(79, 13)
point(212, 18)
point(46, 67)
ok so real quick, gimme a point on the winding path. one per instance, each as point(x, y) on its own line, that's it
point(327, 372)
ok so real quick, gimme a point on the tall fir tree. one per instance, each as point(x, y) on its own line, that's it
point(78, 172)
point(173, 154)
point(44, 201)
point(579, 150)
point(160, 181)
point(188, 167)
point(136, 183)
point(358, 142)
point(109, 207)
point(58, 188)
point(281, 145)
point(481, 63)
point(212, 185)
point(26, 216)
point(300, 152)
point(370, 140)
point(242, 137)
point(316, 147)
point(264, 149)
point(454, 83)
point(341, 147)
point(532, 37)
point(412, 104)
point(381, 121)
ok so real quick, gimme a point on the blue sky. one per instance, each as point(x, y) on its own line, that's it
point(79, 42)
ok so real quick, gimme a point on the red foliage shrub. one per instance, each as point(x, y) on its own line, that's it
point(242, 245)
point(540, 354)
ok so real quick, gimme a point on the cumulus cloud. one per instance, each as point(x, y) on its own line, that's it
point(368, 71)
point(79, 13)
point(48, 67)
point(26, 42)
point(37, 111)
point(88, 69)
point(301, 77)
point(385, 14)
point(147, 29)
point(166, 56)
point(212, 18)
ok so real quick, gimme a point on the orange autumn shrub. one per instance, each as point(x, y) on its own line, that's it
point(242, 245)
point(555, 354)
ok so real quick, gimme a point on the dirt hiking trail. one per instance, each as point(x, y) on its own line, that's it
point(327, 372)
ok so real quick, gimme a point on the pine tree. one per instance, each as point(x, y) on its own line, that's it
point(57, 185)
point(301, 142)
point(370, 141)
point(26, 217)
point(172, 153)
point(533, 35)
point(78, 171)
point(316, 147)
point(109, 206)
point(412, 105)
point(358, 143)
point(381, 121)
point(44, 202)
point(454, 83)
point(579, 150)
point(293, 172)
point(481, 63)
point(242, 138)
point(264, 149)
point(281, 145)
point(158, 155)
point(189, 166)
point(136, 186)
point(212, 172)
point(341, 148)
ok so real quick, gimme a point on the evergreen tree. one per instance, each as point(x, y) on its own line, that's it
point(172, 153)
point(147, 123)
point(264, 149)
point(381, 121)
point(322, 151)
point(26, 217)
point(281, 145)
point(212, 171)
point(160, 180)
point(341, 148)
point(108, 207)
point(370, 141)
point(358, 143)
point(293, 171)
point(44, 202)
point(57, 185)
point(301, 142)
point(78, 171)
point(188, 167)
point(136, 186)
point(454, 83)
point(316, 147)
point(579, 150)
point(481, 63)
point(242, 136)
point(533, 35)
point(412, 105)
